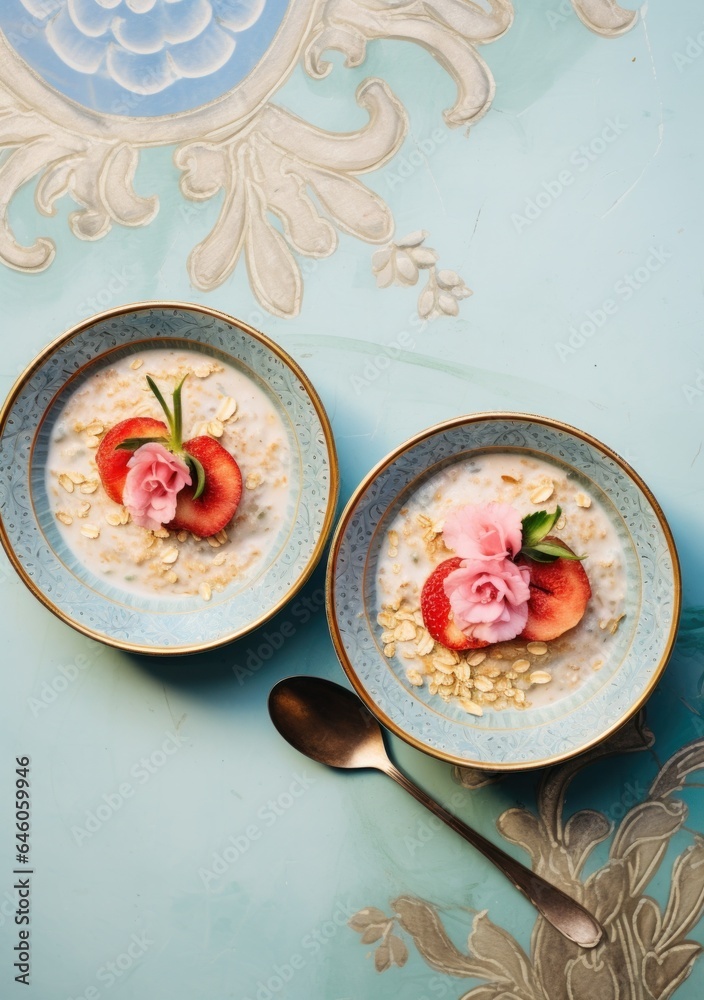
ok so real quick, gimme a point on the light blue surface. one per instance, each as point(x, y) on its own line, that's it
point(350, 841)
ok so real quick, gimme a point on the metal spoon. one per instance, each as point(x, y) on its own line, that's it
point(330, 724)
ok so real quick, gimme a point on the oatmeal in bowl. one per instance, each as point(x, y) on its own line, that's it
point(503, 591)
point(113, 432)
point(511, 578)
point(172, 478)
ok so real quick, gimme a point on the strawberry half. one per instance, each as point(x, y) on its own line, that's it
point(559, 593)
point(216, 505)
point(437, 612)
point(112, 464)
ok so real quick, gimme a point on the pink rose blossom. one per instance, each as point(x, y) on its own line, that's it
point(489, 600)
point(155, 478)
point(484, 531)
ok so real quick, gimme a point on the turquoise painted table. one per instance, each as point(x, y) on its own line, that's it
point(342, 175)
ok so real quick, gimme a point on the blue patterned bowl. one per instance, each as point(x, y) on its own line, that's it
point(30, 535)
point(511, 739)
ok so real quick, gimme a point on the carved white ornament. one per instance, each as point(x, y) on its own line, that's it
point(403, 261)
point(266, 161)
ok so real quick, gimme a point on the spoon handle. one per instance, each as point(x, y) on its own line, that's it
point(564, 913)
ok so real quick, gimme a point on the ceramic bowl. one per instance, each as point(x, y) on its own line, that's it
point(609, 690)
point(106, 610)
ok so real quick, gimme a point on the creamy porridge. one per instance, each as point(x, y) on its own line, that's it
point(517, 673)
point(218, 400)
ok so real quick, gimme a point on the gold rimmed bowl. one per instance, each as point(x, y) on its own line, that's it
point(601, 671)
point(106, 608)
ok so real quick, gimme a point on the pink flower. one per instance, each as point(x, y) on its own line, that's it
point(155, 478)
point(484, 531)
point(489, 600)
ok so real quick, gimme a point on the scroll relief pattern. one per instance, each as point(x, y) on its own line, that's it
point(288, 187)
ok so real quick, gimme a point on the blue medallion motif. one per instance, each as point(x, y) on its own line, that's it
point(146, 57)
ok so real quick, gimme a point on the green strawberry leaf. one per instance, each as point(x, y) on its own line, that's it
point(537, 556)
point(131, 444)
point(557, 549)
point(547, 552)
point(162, 402)
point(200, 474)
point(537, 525)
point(178, 415)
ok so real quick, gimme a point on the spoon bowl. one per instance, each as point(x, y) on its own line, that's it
point(326, 722)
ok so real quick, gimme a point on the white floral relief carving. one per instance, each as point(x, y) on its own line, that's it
point(288, 186)
point(401, 263)
point(646, 953)
point(98, 175)
point(449, 29)
point(275, 167)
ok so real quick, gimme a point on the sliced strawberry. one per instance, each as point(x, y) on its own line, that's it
point(559, 593)
point(216, 505)
point(112, 464)
point(437, 613)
